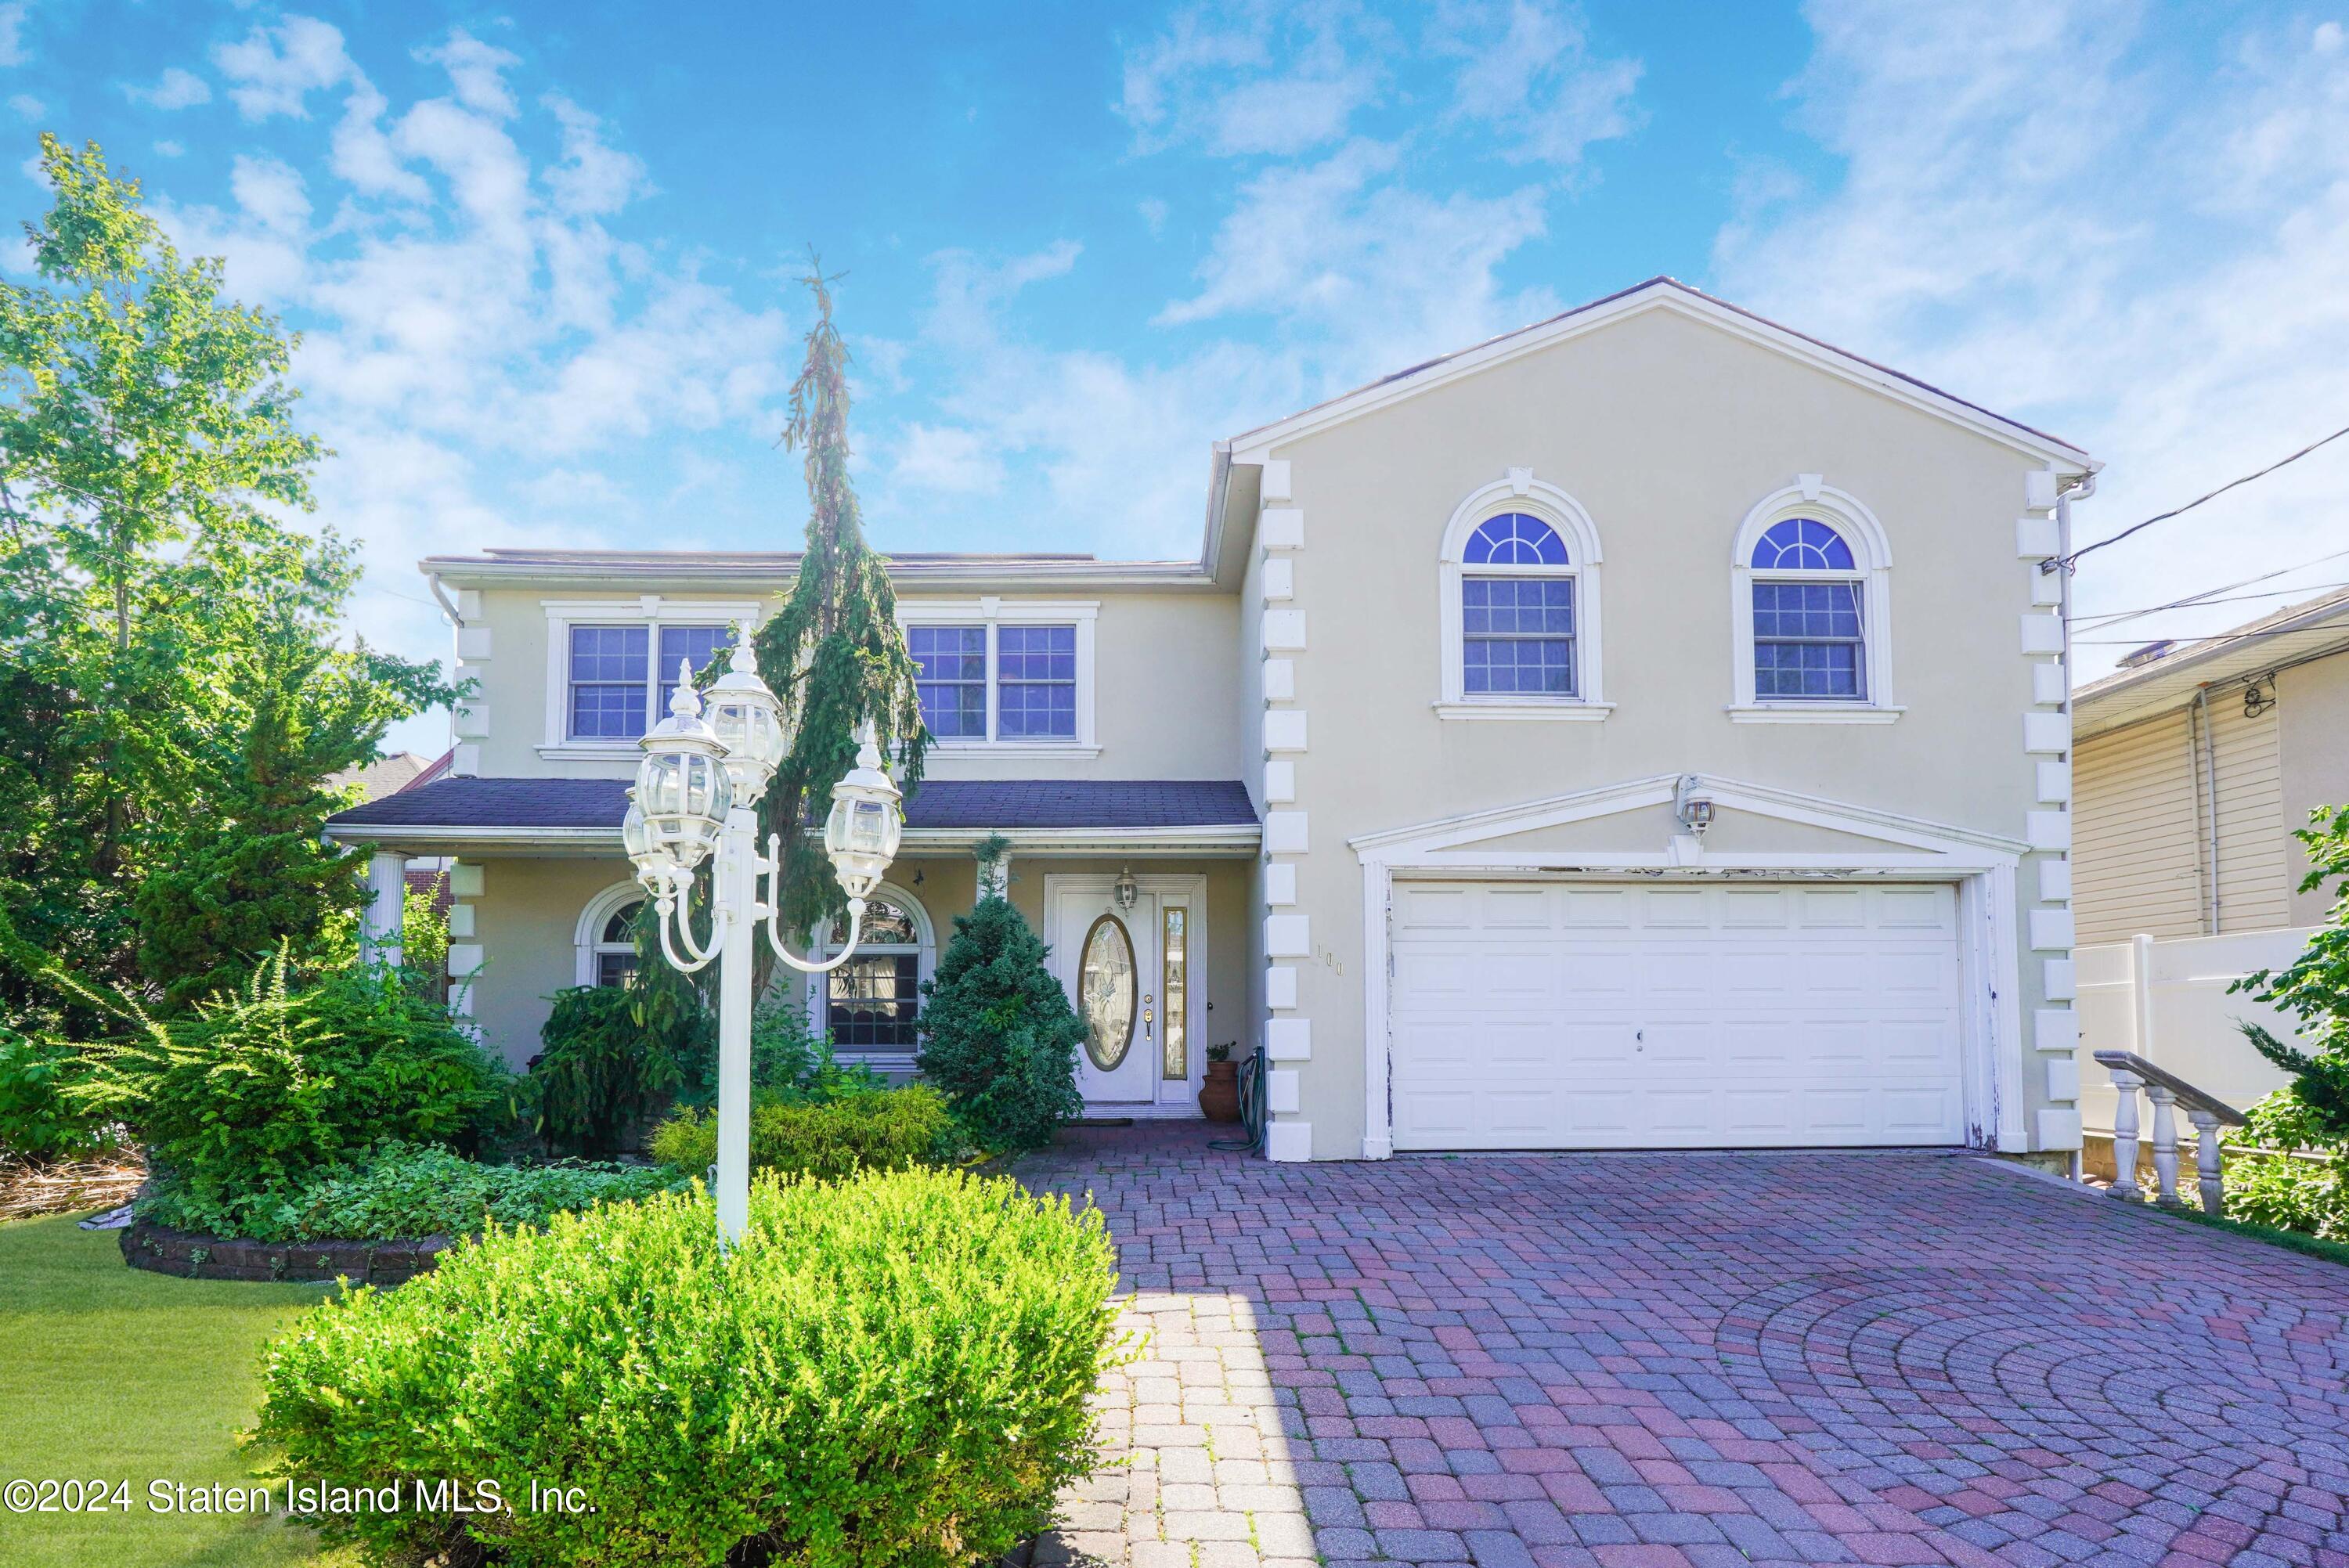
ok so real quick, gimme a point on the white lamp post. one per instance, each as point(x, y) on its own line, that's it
point(694, 797)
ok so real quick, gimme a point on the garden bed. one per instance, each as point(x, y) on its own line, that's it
point(190, 1255)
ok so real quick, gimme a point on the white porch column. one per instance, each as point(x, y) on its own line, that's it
point(379, 926)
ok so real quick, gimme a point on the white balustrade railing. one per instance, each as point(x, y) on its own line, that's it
point(2130, 1073)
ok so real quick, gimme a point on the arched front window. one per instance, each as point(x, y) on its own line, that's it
point(870, 1003)
point(1812, 598)
point(1809, 625)
point(1517, 610)
point(604, 938)
point(1520, 569)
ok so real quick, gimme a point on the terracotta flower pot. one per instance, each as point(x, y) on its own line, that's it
point(1220, 1096)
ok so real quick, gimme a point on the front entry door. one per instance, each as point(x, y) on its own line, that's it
point(1108, 960)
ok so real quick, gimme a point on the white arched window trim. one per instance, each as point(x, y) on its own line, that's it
point(586, 937)
point(1520, 491)
point(1810, 497)
point(814, 995)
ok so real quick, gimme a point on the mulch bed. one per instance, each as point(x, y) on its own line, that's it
point(29, 1189)
point(191, 1256)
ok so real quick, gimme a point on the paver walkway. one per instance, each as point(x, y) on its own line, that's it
point(1634, 1361)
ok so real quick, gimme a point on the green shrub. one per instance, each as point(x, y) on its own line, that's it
point(39, 1119)
point(2304, 1195)
point(408, 1190)
point(2314, 987)
point(890, 1370)
point(828, 1139)
point(788, 1060)
point(999, 1035)
point(602, 1072)
point(247, 1097)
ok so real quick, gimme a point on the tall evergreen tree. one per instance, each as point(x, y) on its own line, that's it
point(148, 452)
point(834, 654)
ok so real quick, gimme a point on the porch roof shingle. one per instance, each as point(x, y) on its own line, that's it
point(938, 803)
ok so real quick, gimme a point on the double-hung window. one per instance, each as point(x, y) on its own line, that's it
point(1017, 677)
point(1810, 641)
point(613, 666)
point(1517, 611)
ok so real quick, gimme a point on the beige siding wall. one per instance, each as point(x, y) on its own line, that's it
point(528, 915)
point(2312, 720)
point(2136, 864)
point(2144, 836)
point(1667, 431)
point(2252, 892)
point(1167, 687)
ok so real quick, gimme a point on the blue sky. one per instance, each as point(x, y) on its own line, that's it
point(543, 255)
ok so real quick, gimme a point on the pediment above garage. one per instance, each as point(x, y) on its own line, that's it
point(1636, 825)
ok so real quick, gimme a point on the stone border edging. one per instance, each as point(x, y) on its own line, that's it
point(189, 1254)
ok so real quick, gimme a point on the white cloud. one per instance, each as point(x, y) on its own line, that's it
point(270, 193)
point(1253, 79)
point(25, 105)
point(178, 89)
point(2148, 255)
point(593, 180)
point(12, 34)
point(477, 71)
point(274, 71)
point(1529, 75)
point(948, 458)
point(170, 150)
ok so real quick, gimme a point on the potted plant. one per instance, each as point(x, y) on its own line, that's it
point(1220, 1096)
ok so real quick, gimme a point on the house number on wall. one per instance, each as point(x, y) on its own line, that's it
point(1329, 958)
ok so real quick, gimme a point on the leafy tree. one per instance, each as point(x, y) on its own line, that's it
point(834, 653)
point(2314, 988)
point(999, 1037)
point(170, 687)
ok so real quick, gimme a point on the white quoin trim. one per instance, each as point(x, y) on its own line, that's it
point(1871, 551)
point(1520, 491)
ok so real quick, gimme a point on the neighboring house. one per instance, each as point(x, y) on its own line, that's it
point(2195, 764)
point(386, 775)
point(1759, 841)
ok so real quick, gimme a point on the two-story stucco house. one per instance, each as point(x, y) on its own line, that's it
point(1644, 729)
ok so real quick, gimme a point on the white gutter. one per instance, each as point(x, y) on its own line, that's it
point(456, 641)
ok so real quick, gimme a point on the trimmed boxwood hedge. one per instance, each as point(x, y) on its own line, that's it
point(893, 1369)
point(886, 1131)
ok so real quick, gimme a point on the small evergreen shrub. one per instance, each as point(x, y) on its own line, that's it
point(788, 1060)
point(39, 1119)
point(830, 1139)
point(602, 1073)
point(2304, 1195)
point(999, 1037)
point(890, 1370)
point(247, 1097)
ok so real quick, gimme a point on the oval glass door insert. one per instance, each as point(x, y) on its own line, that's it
point(1106, 985)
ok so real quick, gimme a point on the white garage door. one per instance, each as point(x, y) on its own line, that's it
point(1599, 1016)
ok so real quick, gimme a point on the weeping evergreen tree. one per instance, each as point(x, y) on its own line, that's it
point(834, 654)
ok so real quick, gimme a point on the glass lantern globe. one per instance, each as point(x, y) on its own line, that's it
point(650, 859)
point(861, 834)
point(682, 788)
point(747, 719)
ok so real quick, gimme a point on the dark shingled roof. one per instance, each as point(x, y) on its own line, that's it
point(938, 803)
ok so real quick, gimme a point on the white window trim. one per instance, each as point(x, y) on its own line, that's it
point(650, 611)
point(586, 936)
point(1872, 552)
point(1522, 492)
point(993, 613)
point(815, 993)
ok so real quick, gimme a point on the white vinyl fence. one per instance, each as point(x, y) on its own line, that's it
point(2167, 1000)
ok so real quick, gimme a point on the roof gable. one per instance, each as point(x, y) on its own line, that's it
point(1255, 446)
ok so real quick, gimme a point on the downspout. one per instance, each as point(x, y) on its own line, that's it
point(2211, 782)
point(456, 625)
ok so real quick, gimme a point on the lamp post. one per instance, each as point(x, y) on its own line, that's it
point(694, 799)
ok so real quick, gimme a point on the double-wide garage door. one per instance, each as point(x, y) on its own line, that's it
point(1674, 1015)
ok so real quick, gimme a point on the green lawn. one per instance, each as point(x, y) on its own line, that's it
point(106, 1371)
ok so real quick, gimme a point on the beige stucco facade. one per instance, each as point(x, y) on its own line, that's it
point(1311, 654)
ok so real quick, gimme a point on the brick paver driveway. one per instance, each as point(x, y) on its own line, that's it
point(1706, 1359)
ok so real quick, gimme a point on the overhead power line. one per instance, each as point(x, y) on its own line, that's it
point(2073, 558)
point(2211, 596)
